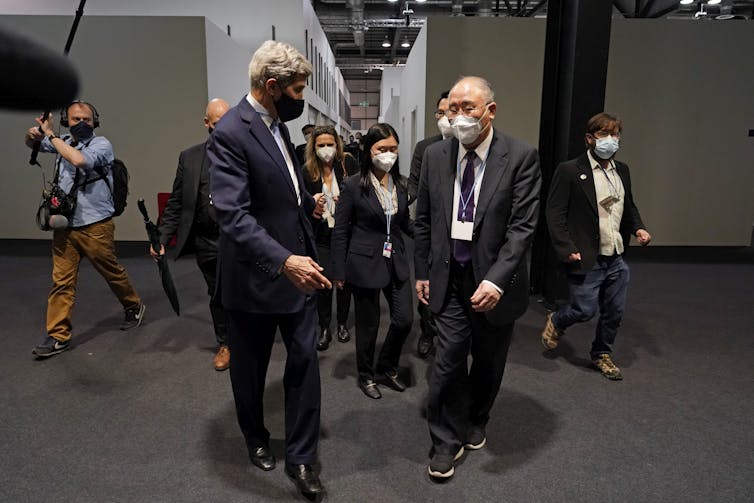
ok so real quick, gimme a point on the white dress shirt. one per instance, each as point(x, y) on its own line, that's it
point(608, 183)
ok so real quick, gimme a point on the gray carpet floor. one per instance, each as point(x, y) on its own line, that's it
point(142, 416)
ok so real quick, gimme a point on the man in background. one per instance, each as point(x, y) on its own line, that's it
point(301, 149)
point(591, 216)
point(189, 216)
point(83, 163)
point(427, 324)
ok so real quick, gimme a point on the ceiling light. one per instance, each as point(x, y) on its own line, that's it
point(686, 2)
point(386, 42)
point(405, 43)
point(392, 1)
point(713, 2)
point(420, 1)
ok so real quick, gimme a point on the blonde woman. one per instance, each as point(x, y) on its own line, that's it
point(325, 167)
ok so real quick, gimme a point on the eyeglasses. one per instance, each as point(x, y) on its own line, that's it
point(465, 110)
point(602, 134)
point(439, 114)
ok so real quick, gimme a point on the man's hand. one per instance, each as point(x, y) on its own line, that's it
point(643, 237)
point(574, 257)
point(485, 298)
point(422, 291)
point(319, 198)
point(45, 125)
point(305, 273)
point(156, 255)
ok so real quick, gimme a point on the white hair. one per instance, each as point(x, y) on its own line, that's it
point(279, 61)
point(483, 84)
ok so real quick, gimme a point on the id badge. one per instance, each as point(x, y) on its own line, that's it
point(608, 202)
point(461, 230)
point(387, 249)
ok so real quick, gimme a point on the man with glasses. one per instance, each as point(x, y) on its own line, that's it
point(427, 324)
point(591, 216)
point(476, 212)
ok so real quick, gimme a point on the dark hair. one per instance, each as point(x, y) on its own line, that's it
point(443, 96)
point(306, 127)
point(377, 132)
point(603, 121)
point(312, 163)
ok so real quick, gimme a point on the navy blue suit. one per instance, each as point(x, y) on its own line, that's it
point(261, 225)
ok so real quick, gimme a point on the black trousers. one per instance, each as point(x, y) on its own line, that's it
point(251, 339)
point(461, 398)
point(219, 317)
point(324, 296)
point(367, 314)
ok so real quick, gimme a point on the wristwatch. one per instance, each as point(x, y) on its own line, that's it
point(52, 136)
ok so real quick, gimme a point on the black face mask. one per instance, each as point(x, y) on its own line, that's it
point(81, 131)
point(289, 108)
point(210, 129)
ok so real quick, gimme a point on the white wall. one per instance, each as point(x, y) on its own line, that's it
point(227, 66)
point(412, 100)
point(390, 87)
point(251, 23)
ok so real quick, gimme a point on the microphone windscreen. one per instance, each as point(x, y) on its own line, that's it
point(58, 222)
point(34, 77)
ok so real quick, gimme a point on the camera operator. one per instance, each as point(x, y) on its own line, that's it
point(82, 165)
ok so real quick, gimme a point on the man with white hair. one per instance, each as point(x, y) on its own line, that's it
point(477, 208)
point(188, 215)
point(268, 272)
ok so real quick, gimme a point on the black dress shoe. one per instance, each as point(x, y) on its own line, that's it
point(424, 346)
point(343, 334)
point(370, 389)
point(262, 457)
point(305, 478)
point(393, 381)
point(324, 339)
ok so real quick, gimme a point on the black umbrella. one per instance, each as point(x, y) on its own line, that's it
point(162, 264)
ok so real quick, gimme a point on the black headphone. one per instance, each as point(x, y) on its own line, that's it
point(64, 113)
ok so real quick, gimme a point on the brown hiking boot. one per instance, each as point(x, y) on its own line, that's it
point(551, 334)
point(607, 368)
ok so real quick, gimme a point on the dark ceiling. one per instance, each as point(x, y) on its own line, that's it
point(357, 29)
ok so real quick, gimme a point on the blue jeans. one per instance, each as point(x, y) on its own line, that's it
point(603, 287)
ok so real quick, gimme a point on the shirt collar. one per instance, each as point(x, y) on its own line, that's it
point(266, 117)
point(481, 150)
point(595, 163)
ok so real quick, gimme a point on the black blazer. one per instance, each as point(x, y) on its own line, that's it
point(506, 217)
point(359, 259)
point(572, 215)
point(178, 216)
point(261, 221)
point(416, 165)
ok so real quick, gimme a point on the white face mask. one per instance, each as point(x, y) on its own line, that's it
point(326, 153)
point(445, 128)
point(384, 161)
point(467, 129)
point(606, 147)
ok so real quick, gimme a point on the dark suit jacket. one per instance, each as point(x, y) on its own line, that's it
point(178, 216)
point(504, 222)
point(572, 215)
point(260, 220)
point(416, 165)
point(359, 259)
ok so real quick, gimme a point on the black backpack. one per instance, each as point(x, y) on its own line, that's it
point(119, 189)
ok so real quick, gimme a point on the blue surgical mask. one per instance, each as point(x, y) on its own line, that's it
point(81, 131)
point(606, 147)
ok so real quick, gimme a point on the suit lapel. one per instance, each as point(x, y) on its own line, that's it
point(586, 182)
point(497, 162)
point(263, 135)
point(448, 179)
point(196, 176)
point(374, 202)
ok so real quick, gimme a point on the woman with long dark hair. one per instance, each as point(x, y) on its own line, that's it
point(369, 255)
point(325, 168)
